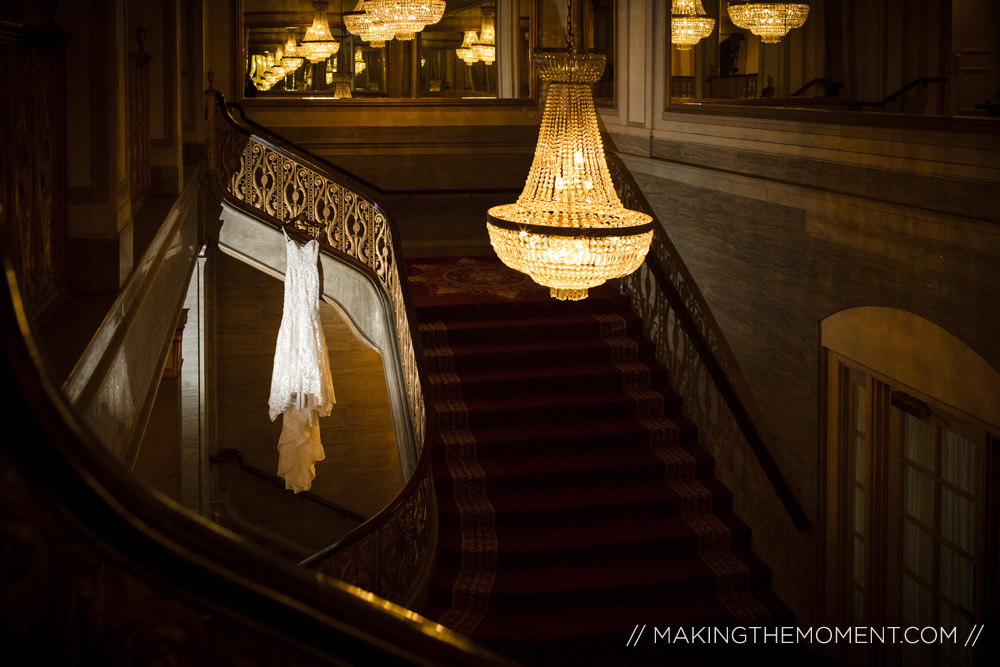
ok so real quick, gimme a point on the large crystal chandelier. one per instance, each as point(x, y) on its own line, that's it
point(568, 230)
point(360, 23)
point(405, 17)
point(485, 48)
point(769, 20)
point(318, 43)
point(465, 52)
point(689, 24)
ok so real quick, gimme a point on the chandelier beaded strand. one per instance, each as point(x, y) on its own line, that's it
point(568, 230)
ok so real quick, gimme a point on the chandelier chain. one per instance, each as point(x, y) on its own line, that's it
point(569, 25)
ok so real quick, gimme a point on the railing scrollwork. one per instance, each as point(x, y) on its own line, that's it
point(689, 342)
point(281, 184)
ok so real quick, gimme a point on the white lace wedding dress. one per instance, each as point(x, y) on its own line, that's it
point(301, 383)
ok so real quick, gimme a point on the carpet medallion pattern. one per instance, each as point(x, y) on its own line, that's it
point(574, 501)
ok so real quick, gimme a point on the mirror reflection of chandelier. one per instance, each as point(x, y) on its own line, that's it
point(405, 17)
point(342, 86)
point(291, 61)
point(569, 230)
point(485, 47)
point(360, 23)
point(769, 20)
point(689, 24)
point(359, 61)
point(318, 43)
point(465, 51)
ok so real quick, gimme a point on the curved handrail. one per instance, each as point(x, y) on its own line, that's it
point(661, 251)
point(75, 511)
point(243, 164)
point(892, 97)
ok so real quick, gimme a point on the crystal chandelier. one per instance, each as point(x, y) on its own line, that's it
point(465, 52)
point(769, 20)
point(360, 23)
point(291, 61)
point(405, 17)
point(318, 43)
point(342, 86)
point(359, 62)
point(689, 24)
point(485, 47)
point(568, 230)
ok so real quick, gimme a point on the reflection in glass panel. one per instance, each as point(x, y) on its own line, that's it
point(919, 441)
point(957, 577)
point(599, 35)
point(733, 63)
point(918, 495)
point(859, 511)
point(957, 460)
point(859, 606)
point(860, 459)
point(859, 562)
point(918, 602)
point(958, 517)
point(918, 550)
point(950, 618)
point(860, 408)
point(479, 49)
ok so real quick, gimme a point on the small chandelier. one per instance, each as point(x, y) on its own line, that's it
point(359, 61)
point(769, 20)
point(689, 24)
point(291, 61)
point(342, 86)
point(485, 47)
point(360, 23)
point(405, 17)
point(318, 43)
point(465, 51)
point(568, 230)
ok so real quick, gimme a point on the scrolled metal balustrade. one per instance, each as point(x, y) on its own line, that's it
point(387, 554)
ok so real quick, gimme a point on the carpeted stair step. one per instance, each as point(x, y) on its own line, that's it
point(595, 376)
point(518, 353)
point(535, 329)
point(557, 408)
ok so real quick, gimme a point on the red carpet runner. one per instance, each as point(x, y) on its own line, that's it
point(574, 501)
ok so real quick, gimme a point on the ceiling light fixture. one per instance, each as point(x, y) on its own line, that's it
point(568, 230)
point(318, 43)
point(405, 17)
point(689, 24)
point(769, 20)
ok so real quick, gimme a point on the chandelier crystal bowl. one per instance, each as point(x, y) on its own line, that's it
point(405, 18)
point(689, 24)
point(769, 20)
point(568, 230)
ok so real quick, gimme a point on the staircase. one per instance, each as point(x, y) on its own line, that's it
point(575, 503)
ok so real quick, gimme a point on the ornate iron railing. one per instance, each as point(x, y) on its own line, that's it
point(389, 553)
point(689, 342)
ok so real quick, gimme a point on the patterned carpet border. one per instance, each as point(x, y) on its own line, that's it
point(733, 586)
point(477, 572)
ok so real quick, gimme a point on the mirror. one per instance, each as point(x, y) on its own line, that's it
point(732, 62)
point(932, 57)
point(479, 49)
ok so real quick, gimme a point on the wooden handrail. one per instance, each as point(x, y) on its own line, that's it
point(705, 352)
point(892, 97)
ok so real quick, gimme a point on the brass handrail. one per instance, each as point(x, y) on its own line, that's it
point(684, 299)
point(253, 173)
